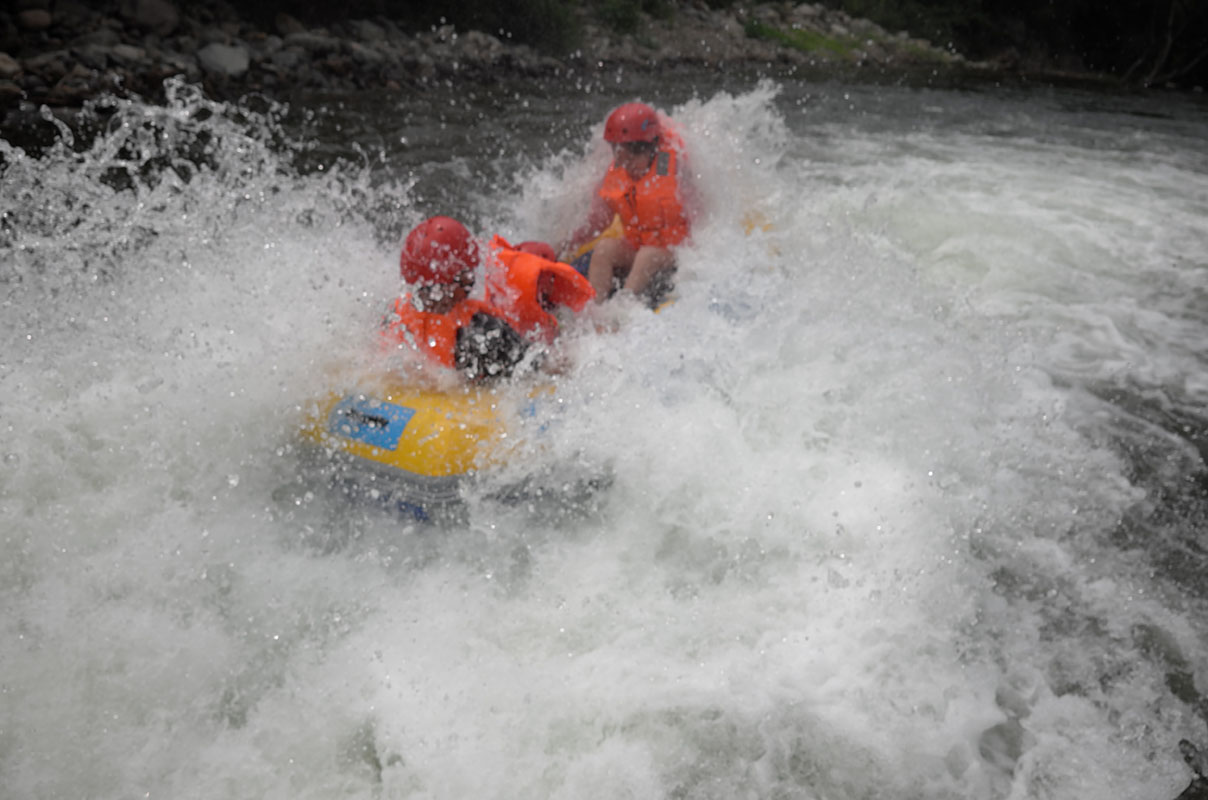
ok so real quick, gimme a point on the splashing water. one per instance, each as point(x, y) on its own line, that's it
point(906, 486)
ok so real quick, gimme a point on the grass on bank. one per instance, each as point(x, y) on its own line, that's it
point(847, 48)
point(804, 40)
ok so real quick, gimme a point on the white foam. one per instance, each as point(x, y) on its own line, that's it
point(858, 539)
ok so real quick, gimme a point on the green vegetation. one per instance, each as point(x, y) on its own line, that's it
point(804, 40)
point(843, 47)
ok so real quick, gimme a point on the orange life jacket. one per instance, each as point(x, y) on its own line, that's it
point(433, 335)
point(650, 207)
point(525, 287)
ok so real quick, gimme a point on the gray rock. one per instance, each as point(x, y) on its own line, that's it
point(367, 31)
point(159, 16)
point(479, 46)
point(93, 56)
point(33, 84)
point(287, 25)
point(314, 42)
point(228, 60)
point(424, 66)
point(76, 86)
point(872, 51)
point(270, 44)
point(866, 29)
point(10, 93)
point(9, 66)
point(127, 54)
point(765, 15)
point(34, 19)
point(180, 64)
point(105, 36)
point(393, 33)
point(365, 55)
point(289, 58)
point(51, 66)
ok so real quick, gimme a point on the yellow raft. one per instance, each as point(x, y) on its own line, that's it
point(412, 447)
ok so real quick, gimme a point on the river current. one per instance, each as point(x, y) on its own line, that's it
point(907, 489)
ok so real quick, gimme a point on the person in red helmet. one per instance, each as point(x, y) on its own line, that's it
point(644, 188)
point(437, 318)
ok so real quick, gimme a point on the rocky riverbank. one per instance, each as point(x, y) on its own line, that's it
point(60, 53)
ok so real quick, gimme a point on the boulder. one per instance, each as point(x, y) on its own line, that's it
point(105, 36)
point(365, 55)
point(266, 47)
point(34, 19)
point(178, 64)
point(314, 42)
point(367, 31)
point(10, 93)
point(93, 56)
point(480, 47)
point(158, 16)
point(75, 87)
point(230, 61)
point(287, 25)
point(9, 66)
point(289, 58)
point(127, 54)
point(51, 66)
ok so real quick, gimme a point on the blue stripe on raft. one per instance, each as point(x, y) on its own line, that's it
point(369, 420)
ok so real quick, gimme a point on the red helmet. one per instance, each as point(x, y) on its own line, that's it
point(538, 249)
point(632, 122)
point(438, 250)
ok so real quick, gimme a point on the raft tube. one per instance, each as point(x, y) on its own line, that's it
point(410, 447)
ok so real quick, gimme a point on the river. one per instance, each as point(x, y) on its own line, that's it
point(908, 495)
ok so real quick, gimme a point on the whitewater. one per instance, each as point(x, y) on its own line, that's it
point(905, 493)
